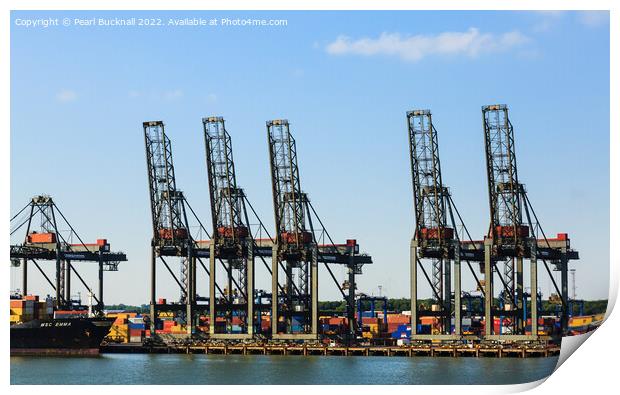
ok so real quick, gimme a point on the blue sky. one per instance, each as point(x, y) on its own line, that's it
point(345, 81)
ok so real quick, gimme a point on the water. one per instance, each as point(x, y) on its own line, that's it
point(275, 369)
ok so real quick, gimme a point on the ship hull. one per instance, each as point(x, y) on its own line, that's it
point(55, 351)
point(67, 336)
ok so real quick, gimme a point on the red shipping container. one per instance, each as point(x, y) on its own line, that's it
point(166, 234)
point(135, 332)
point(429, 320)
point(293, 238)
point(435, 233)
point(42, 238)
point(398, 318)
point(227, 231)
point(509, 231)
point(336, 321)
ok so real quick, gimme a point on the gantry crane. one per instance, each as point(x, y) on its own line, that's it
point(435, 239)
point(232, 244)
point(512, 239)
point(232, 241)
point(171, 235)
point(294, 244)
point(296, 249)
point(44, 241)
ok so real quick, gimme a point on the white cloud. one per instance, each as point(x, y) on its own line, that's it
point(470, 43)
point(173, 95)
point(211, 98)
point(66, 95)
point(593, 18)
point(547, 20)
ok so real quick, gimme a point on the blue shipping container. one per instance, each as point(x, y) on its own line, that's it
point(131, 325)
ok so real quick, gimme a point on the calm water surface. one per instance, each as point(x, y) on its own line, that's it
point(275, 369)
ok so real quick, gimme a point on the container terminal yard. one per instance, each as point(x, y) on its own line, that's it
point(237, 318)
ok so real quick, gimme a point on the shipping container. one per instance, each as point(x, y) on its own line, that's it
point(39, 238)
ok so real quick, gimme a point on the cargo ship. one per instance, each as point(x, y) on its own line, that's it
point(59, 336)
point(36, 329)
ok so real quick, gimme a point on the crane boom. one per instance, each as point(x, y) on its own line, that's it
point(433, 238)
point(171, 235)
point(231, 241)
point(294, 243)
point(167, 203)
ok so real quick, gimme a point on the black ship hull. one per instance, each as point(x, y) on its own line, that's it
point(63, 336)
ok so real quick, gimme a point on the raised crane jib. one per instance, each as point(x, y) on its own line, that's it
point(505, 192)
point(167, 203)
point(288, 199)
point(430, 196)
point(227, 200)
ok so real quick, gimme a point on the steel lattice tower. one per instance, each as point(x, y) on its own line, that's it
point(433, 238)
point(509, 236)
point(294, 243)
point(430, 202)
point(504, 191)
point(231, 241)
point(170, 226)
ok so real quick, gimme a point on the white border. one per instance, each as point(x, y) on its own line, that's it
point(590, 369)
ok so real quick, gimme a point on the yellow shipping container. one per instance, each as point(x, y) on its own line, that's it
point(119, 333)
point(119, 328)
point(580, 321)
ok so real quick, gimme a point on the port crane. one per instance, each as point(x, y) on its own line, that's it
point(436, 240)
point(296, 248)
point(511, 238)
point(232, 241)
point(294, 245)
point(44, 242)
point(171, 228)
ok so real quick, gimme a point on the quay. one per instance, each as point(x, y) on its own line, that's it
point(458, 350)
